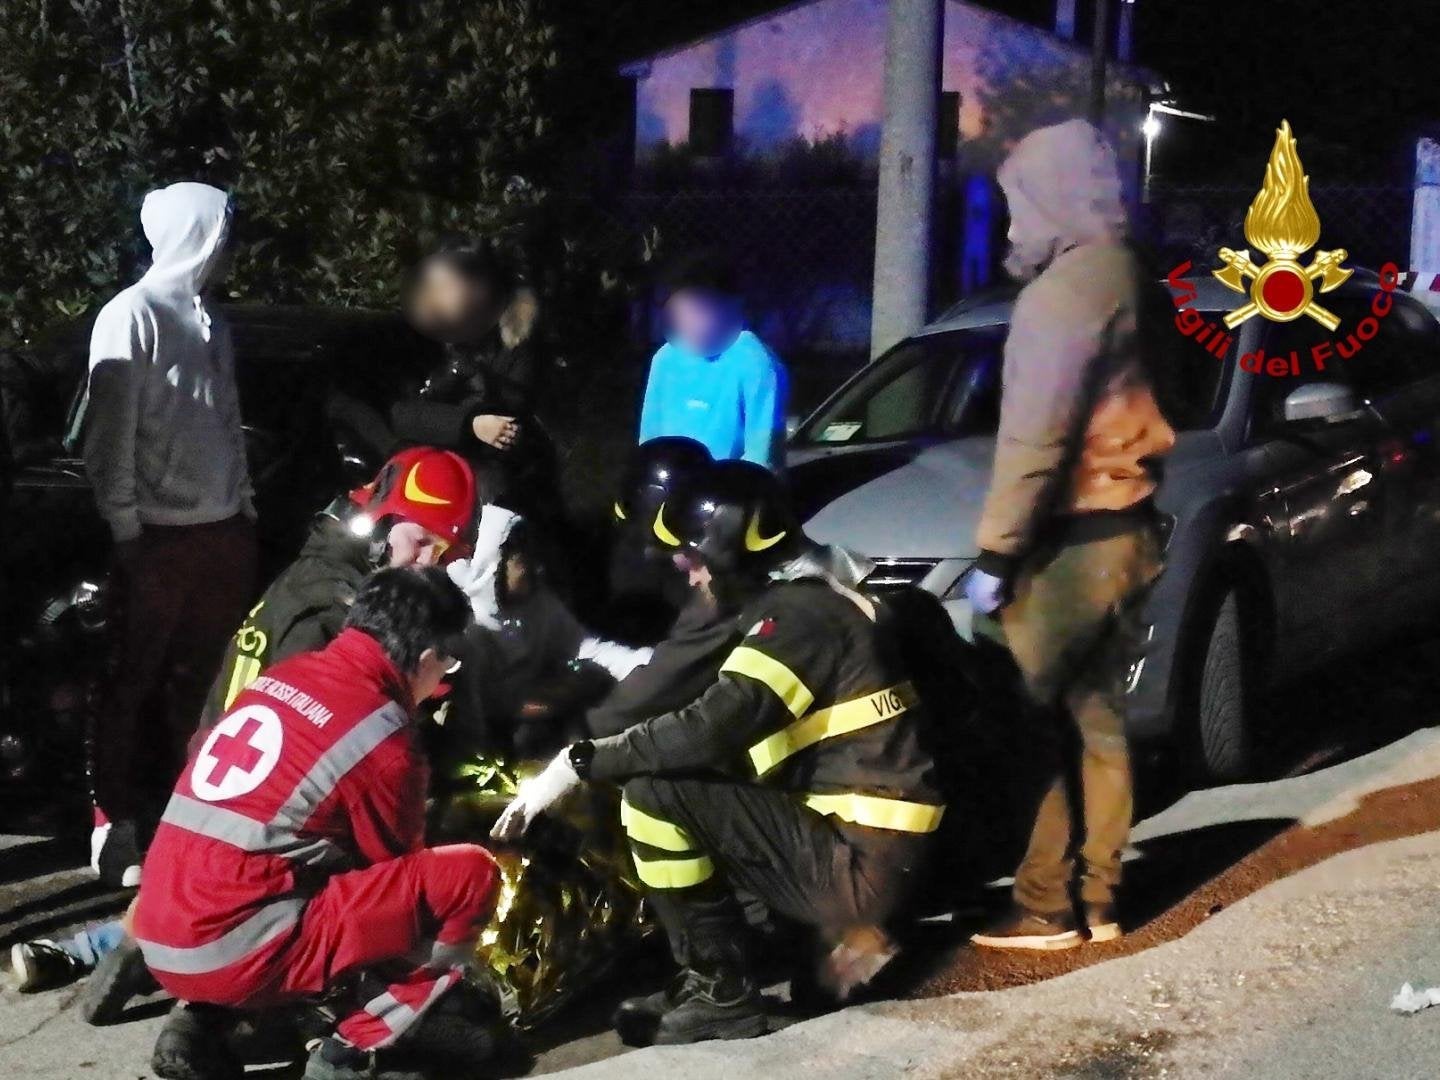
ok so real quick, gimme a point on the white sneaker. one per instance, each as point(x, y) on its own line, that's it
point(114, 854)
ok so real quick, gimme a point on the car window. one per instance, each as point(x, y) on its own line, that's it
point(943, 385)
point(1405, 350)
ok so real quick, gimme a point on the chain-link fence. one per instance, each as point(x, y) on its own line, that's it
point(808, 256)
point(1372, 223)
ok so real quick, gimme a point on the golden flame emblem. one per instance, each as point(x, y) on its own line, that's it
point(1282, 223)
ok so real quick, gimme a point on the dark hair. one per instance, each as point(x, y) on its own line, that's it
point(477, 261)
point(408, 610)
point(709, 271)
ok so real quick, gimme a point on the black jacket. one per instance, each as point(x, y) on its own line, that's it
point(503, 374)
point(303, 609)
point(682, 667)
point(812, 701)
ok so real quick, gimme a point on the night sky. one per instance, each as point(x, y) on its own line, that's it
point(1356, 78)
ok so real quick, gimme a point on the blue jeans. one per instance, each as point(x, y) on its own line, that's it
point(90, 945)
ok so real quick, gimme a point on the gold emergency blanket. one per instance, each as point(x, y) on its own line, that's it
point(569, 906)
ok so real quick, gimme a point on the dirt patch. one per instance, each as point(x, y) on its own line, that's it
point(1396, 812)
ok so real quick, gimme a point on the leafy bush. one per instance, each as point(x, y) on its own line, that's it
point(350, 133)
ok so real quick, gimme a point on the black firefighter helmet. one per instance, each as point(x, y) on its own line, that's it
point(656, 469)
point(736, 516)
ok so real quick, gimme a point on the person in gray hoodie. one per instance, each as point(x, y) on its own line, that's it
point(165, 455)
point(1068, 539)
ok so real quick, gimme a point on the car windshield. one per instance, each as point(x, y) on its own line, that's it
point(947, 386)
point(942, 385)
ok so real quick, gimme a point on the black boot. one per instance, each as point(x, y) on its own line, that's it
point(120, 976)
point(714, 996)
point(192, 1045)
point(637, 1018)
point(719, 1002)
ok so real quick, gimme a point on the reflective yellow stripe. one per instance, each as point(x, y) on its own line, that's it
point(241, 675)
point(653, 831)
point(826, 723)
point(878, 813)
point(779, 678)
point(674, 873)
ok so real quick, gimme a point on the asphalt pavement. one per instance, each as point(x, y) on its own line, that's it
point(1292, 980)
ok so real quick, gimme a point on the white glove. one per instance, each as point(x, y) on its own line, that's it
point(477, 575)
point(535, 796)
point(986, 592)
point(619, 660)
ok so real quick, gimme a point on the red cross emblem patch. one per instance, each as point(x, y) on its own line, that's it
point(239, 753)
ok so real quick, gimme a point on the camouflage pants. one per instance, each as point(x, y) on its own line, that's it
point(1073, 628)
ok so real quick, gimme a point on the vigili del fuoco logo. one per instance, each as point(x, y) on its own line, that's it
point(1281, 223)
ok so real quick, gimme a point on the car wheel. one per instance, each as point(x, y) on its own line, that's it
point(1222, 692)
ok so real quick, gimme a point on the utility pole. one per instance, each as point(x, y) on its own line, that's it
point(906, 197)
point(1099, 48)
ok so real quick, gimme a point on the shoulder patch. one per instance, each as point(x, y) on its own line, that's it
point(764, 628)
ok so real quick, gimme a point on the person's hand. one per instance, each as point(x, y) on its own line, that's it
point(535, 796)
point(986, 592)
point(497, 431)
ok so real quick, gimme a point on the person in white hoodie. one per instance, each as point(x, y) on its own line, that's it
point(165, 455)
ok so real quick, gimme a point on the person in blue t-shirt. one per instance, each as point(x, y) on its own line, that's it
point(713, 380)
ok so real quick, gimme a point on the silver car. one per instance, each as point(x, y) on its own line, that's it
point(1303, 510)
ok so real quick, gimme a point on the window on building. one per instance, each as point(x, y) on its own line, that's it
point(712, 121)
point(947, 140)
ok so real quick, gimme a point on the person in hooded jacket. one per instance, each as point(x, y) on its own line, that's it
point(165, 455)
point(1068, 538)
point(420, 510)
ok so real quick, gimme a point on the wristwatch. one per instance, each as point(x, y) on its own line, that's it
point(581, 754)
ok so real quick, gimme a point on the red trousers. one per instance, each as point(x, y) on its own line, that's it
point(426, 908)
point(184, 593)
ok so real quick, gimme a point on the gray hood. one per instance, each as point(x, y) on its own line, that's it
point(1062, 185)
point(187, 225)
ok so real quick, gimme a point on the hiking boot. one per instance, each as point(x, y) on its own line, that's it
point(115, 854)
point(859, 956)
point(120, 976)
point(636, 1019)
point(42, 965)
point(726, 1005)
point(192, 1045)
point(1102, 922)
point(1021, 928)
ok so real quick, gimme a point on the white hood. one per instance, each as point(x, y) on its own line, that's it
point(187, 225)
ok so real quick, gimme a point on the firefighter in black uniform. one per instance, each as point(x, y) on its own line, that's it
point(798, 776)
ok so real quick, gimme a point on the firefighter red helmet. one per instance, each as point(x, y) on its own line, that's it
point(433, 488)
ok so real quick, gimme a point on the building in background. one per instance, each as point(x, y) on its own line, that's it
point(815, 70)
point(813, 73)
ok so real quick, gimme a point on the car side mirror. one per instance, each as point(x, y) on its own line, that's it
point(1321, 401)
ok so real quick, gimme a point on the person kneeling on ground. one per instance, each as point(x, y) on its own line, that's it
point(530, 666)
point(290, 860)
point(380, 524)
point(798, 776)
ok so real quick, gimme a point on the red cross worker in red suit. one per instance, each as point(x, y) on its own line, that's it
point(234, 752)
point(291, 856)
